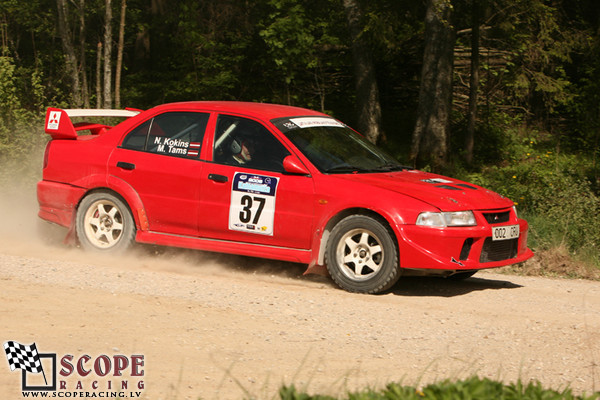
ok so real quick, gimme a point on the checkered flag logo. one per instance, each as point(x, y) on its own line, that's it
point(23, 357)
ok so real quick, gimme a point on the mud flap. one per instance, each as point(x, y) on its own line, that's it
point(316, 269)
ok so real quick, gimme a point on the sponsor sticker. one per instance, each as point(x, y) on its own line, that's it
point(311, 122)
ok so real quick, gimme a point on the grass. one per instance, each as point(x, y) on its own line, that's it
point(472, 388)
point(555, 262)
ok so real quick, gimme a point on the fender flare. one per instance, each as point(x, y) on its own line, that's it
point(321, 237)
point(124, 190)
point(132, 198)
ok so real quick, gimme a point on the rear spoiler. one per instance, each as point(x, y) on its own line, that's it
point(59, 125)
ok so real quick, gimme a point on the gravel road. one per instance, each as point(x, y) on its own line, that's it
point(226, 327)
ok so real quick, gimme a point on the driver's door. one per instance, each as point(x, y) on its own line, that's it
point(255, 201)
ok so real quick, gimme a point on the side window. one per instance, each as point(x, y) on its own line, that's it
point(171, 133)
point(244, 142)
point(136, 139)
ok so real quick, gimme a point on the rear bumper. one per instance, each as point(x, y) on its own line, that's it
point(58, 201)
point(465, 248)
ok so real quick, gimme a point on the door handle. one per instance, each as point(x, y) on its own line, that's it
point(218, 178)
point(126, 165)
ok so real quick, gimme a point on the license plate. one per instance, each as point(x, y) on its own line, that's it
point(505, 232)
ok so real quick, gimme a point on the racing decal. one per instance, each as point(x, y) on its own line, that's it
point(54, 120)
point(311, 122)
point(289, 124)
point(167, 145)
point(194, 149)
point(252, 207)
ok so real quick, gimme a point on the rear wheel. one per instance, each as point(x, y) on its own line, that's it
point(104, 223)
point(361, 255)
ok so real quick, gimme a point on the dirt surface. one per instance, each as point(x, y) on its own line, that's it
point(226, 327)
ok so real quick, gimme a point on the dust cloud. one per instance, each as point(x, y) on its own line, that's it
point(23, 233)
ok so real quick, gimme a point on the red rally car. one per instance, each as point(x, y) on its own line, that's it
point(268, 181)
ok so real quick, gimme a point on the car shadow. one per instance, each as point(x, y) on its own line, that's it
point(422, 286)
point(414, 286)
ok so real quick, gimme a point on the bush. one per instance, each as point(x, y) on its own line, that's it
point(21, 151)
point(21, 131)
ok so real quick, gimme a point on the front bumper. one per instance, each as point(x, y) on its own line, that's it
point(461, 248)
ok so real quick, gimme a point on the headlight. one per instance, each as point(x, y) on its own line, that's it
point(515, 210)
point(444, 219)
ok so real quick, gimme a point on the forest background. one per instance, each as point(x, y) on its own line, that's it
point(502, 93)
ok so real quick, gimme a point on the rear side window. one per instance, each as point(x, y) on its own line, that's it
point(172, 133)
point(136, 139)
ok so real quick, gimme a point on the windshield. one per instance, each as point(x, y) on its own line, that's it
point(335, 148)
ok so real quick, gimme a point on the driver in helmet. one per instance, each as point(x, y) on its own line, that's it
point(242, 150)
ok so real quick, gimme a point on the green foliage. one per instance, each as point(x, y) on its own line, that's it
point(20, 136)
point(304, 44)
point(291, 393)
point(536, 77)
point(194, 51)
point(473, 388)
point(556, 191)
point(9, 100)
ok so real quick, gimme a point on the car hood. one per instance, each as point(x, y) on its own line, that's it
point(445, 193)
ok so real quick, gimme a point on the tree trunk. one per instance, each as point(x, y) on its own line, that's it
point(108, 55)
point(473, 85)
point(85, 95)
point(99, 76)
point(120, 55)
point(69, 49)
point(367, 92)
point(429, 141)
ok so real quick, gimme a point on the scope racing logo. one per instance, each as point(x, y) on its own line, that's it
point(116, 376)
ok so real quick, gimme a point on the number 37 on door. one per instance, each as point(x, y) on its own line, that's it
point(252, 207)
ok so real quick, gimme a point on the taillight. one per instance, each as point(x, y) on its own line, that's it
point(46, 153)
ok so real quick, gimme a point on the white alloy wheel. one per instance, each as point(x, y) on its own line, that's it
point(104, 223)
point(359, 254)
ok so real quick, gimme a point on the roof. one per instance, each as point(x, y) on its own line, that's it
point(262, 110)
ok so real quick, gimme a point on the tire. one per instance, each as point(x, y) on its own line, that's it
point(362, 256)
point(104, 223)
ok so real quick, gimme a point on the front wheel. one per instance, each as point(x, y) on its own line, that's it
point(362, 256)
point(104, 223)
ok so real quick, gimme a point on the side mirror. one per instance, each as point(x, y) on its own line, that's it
point(292, 165)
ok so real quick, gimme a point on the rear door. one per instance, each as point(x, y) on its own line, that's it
point(160, 159)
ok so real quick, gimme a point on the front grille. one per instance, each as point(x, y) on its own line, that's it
point(497, 218)
point(498, 250)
